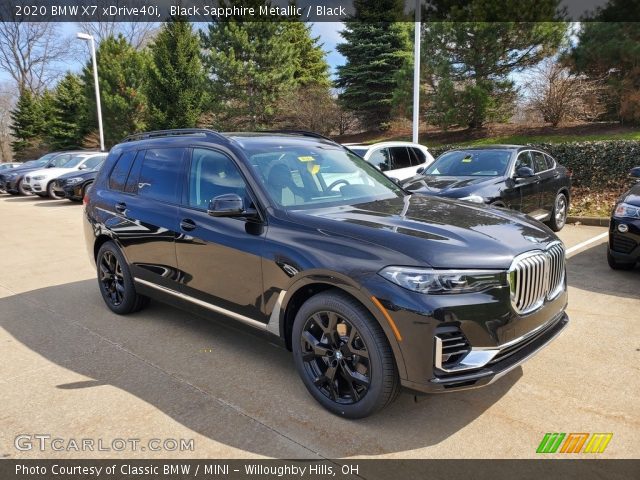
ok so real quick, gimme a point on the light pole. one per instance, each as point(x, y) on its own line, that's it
point(86, 36)
point(416, 74)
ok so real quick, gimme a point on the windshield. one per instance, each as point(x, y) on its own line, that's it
point(94, 162)
point(471, 163)
point(311, 176)
point(74, 161)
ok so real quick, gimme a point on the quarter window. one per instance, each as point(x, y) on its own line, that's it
point(159, 174)
point(212, 174)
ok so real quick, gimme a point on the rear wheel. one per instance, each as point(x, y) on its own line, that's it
point(343, 356)
point(116, 282)
point(618, 265)
point(559, 214)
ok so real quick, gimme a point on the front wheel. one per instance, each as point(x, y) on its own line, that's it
point(343, 356)
point(52, 192)
point(22, 190)
point(559, 213)
point(116, 282)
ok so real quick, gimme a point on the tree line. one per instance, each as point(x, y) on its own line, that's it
point(263, 75)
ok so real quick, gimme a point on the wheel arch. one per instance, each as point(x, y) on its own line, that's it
point(307, 288)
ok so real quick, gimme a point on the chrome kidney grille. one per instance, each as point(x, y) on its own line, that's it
point(536, 277)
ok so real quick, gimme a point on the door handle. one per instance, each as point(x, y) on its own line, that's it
point(187, 224)
point(121, 207)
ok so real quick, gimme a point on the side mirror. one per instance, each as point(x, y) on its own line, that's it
point(524, 172)
point(635, 173)
point(82, 167)
point(227, 205)
point(420, 171)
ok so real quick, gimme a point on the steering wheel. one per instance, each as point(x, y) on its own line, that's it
point(336, 183)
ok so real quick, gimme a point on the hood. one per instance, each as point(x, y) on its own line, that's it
point(632, 197)
point(51, 172)
point(432, 231)
point(449, 186)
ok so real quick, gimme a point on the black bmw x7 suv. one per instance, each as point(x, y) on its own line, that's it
point(370, 286)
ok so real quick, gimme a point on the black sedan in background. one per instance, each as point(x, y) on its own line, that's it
point(509, 176)
point(73, 185)
point(624, 229)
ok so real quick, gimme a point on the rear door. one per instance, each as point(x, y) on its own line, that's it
point(219, 257)
point(547, 181)
point(145, 189)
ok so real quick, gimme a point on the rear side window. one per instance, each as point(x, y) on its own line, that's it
point(160, 174)
point(551, 163)
point(120, 171)
point(401, 158)
point(539, 162)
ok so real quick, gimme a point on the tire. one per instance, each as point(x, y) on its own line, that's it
point(116, 283)
point(21, 189)
point(351, 328)
point(51, 193)
point(617, 265)
point(559, 214)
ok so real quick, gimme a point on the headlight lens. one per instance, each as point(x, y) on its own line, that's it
point(39, 177)
point(426, 280)
point(626, 210)
point(74, 180)
point(473, 198)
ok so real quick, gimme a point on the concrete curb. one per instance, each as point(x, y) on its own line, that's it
point(595, 221)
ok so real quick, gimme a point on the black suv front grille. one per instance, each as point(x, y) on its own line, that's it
point(622, 244)
point(455, 345)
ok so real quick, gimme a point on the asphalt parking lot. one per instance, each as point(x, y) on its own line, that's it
point(72, 369)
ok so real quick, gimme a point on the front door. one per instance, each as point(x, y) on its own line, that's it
point(219, 257)
point(526, 196)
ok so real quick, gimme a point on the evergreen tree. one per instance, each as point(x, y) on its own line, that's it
point(176, 83)
point(250, 66)
point(375, 49)
point(27, 125)
point(311, 67)
point(65, 130)
point(122, 73)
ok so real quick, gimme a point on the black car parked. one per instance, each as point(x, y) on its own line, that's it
point(11, 180)
point(510, 176)
point(371, 287)
point(624, 229)
point(73, 185)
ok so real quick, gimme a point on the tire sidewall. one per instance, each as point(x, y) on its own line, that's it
point(51, 192)
point(372, 400)
point(553, 223)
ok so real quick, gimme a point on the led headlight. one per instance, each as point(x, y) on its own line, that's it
point(39, 177)
point(626, 210)
point(74, 180)
point(427, 280)
point(473, 198)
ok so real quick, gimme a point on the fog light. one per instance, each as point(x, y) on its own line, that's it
point(622, 228)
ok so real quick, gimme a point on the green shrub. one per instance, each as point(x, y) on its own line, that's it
point(594, 165)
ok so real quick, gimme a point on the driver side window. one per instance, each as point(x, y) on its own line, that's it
point(213, 174)
point(524, 160)
point(381, 159)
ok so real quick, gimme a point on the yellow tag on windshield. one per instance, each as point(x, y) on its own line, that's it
point(306, 159)
point(313, 169)
point(466, 160)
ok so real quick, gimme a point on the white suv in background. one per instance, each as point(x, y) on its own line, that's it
point(41, 182)
point(399, 160)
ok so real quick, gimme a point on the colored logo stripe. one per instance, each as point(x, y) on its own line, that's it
point(598, 442)
point(573, 442)
point(550, 443)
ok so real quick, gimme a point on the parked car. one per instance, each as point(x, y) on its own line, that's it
point(12, 181)
point(510, 176)
point(624, 228)
point(372, 288)
point(9, 165)
point(42, 182)
point(73, 185)
point(399, 160)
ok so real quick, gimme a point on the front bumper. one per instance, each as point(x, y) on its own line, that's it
point(625, 247)
point(73, 191)
point(37, 186)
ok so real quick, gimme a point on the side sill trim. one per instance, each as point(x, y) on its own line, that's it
point(214, 308)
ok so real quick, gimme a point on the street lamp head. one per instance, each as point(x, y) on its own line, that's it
point(84, 36)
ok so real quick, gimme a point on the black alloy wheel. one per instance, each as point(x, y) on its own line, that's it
point(336, 357)
point(343, 355)
point(116, 282)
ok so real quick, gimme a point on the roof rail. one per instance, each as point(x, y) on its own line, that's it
point(173, 132)
point(304, 133)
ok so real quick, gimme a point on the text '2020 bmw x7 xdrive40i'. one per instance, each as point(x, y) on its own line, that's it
point(370, 286)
